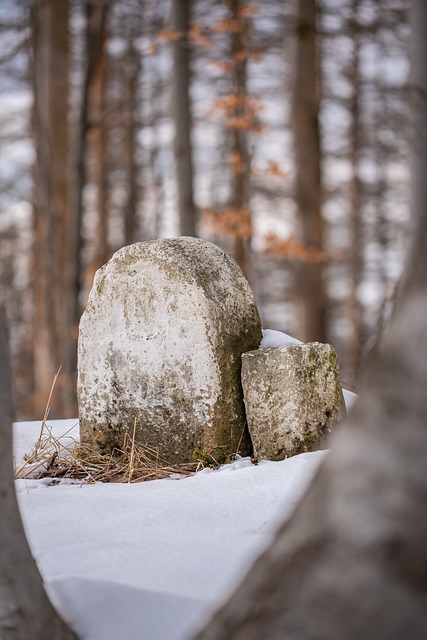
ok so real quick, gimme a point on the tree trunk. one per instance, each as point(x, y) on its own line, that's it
point(309, 283)
point(352, 561)
point(132, 233)
point(356, 262)
point(51, 205)
point(95, 24)
point(95, 147)
point(25, 611)
point(240, 177)
point(182, 117)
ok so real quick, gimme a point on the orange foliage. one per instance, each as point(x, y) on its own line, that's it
point(230, 66)
point(247, 11)
point(295, 250)
point(244, 10)
point(237, 164)
point(197, 34)
point(233, 102)
point(170, 35)
point(224, 67)
point(245, 122)
point(227, 25)
point(273, 169)
point(228, 104)
point(242, 55)
point(151, 48)
point(230, 221)
point(242, 111)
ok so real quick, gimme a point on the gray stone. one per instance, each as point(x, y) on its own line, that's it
point(293, 398)
point(161, 342)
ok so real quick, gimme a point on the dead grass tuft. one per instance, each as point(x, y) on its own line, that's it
point(50, 458)
point(64, 457)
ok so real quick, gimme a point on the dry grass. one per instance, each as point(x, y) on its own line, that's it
point(50, 458)
point(53, 458)
point(132, 463)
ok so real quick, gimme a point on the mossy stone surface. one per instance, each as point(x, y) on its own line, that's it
point(293, 398)
point(160, 345)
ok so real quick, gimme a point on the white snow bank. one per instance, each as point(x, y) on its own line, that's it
point(273, 339)
point(153, 560)
point(349, 398)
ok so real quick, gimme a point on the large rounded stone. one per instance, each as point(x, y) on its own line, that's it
point(293, 398)
point(160, 343)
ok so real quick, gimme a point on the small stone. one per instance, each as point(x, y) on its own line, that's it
point(160, 346)
point(293, 398)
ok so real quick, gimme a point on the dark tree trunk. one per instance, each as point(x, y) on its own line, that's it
point(133, 173)
point(52, 339)
point(356, 261)
point(356, 201)
point(94, 147)
point(352, 561)
point(25, 611)
point(95, 35)
point(309, 285)
point(240, 178)
point(182, 117)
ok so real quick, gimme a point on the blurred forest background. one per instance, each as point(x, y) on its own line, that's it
point(278, 130)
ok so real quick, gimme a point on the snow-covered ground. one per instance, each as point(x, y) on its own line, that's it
point(152, 560)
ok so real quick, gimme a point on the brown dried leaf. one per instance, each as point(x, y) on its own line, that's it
point(296, 250)
point(227, 25)
point(198, 36)
point(169, 35)
point(230, 221)
point(247, 11)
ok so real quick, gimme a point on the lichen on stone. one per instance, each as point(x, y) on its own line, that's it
point(293, 398)
point(160, 343)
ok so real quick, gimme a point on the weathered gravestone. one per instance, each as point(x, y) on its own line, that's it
point(293, 398)
point(160, 346)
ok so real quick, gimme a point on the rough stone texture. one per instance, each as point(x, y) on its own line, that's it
point(293, 398)
point(161, 342)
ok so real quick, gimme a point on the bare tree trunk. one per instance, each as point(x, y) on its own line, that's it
point(241, 171)
point(352, 561)
point(310, 285)
point(51, 206)
point(95, 16)
point(131, 130)
point(25, 611)
point(97, 138)
point(354, 343)
point(182, 117)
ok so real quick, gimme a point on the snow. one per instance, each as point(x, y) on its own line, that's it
point(152, 560)
point(155, 559)
point(273, 339)
point(349, 398)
